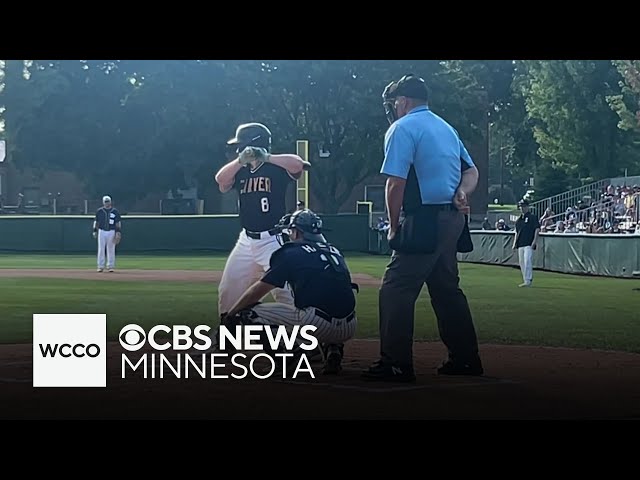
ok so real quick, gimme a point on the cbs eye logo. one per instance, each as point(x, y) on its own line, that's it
point(132, 337)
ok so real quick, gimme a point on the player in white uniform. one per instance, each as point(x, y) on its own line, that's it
point(261, 179)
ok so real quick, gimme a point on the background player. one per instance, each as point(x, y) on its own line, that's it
point(322, 288)
point(261, 180)
point(107, 227)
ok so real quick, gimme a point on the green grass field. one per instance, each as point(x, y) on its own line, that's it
point(371, 265)
point(561, 310)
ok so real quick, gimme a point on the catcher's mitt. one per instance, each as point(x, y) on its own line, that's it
point(117, 238)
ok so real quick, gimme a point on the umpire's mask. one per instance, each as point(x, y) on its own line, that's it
point(410, 86)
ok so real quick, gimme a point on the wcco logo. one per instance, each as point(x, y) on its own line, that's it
point(69, 350)
point(66, 350)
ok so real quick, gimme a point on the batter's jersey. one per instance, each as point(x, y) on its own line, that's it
point(318, 275)
point(262, 196)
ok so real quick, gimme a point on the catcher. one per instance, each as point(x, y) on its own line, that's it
point(107, 228)
point(321, 284)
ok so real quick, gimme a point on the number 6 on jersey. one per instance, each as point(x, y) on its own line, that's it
point(264, 203)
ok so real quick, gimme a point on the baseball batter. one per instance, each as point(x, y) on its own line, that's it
point(107, 227)
point(322, 287)
point(261, 180)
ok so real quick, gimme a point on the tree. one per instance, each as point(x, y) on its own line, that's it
point(127, 127)
point(574, 126)
point(337, 106)
point(627, 104)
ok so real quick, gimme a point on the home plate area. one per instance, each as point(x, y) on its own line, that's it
point(259, 369)
point(350, 379)
point(520, 382)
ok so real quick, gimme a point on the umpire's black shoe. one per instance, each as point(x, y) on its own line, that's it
point(386, 372)
point(451, 367)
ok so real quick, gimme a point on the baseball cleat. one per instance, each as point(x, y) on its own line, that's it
point(473, 368)
point(333, 361)
point(100, 270)
point(381, 371)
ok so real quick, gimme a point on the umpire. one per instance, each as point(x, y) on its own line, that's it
point(423, 157)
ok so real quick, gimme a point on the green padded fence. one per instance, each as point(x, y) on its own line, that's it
point(605, 255)
point(72, 234)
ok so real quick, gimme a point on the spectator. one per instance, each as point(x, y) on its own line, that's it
point(570, 214)
point(502, 226)
point(571, 227)
point(383, 225)
point(486, 225)
point(559, 227)
point(615, 228)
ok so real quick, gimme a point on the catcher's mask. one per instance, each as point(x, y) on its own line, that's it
point(283, 229)
point(250, 135)
point(410, 86)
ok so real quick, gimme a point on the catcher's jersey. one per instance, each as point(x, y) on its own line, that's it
point(106, 218)
point(318, 275)
point(262, 196)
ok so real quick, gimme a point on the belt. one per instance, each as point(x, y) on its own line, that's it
point(258, 235)
point(445, 207)
point(329, 318)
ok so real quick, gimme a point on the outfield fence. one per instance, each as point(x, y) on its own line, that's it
point(154, 233)
point(593, 254)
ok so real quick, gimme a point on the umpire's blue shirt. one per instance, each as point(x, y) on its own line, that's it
point(423, 139)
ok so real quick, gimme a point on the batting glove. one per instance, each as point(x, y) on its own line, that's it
point(250, 154)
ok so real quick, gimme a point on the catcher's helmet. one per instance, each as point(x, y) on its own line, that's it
point(251, 135)
point(308, 223)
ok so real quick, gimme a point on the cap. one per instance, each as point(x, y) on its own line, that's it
point(523, 202)
point(410, 86)
point(106, 199)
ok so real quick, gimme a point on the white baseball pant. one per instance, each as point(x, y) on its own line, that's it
point(106, 241)
point(336, 331)
point(246, 264)
point(525, 258)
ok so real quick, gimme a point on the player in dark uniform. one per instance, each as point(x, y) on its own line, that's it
point(261, 180)
point(321, 284)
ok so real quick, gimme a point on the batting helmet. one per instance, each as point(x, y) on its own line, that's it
point(251, 135)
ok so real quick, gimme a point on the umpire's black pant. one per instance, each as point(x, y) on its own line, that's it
point(402, 282)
